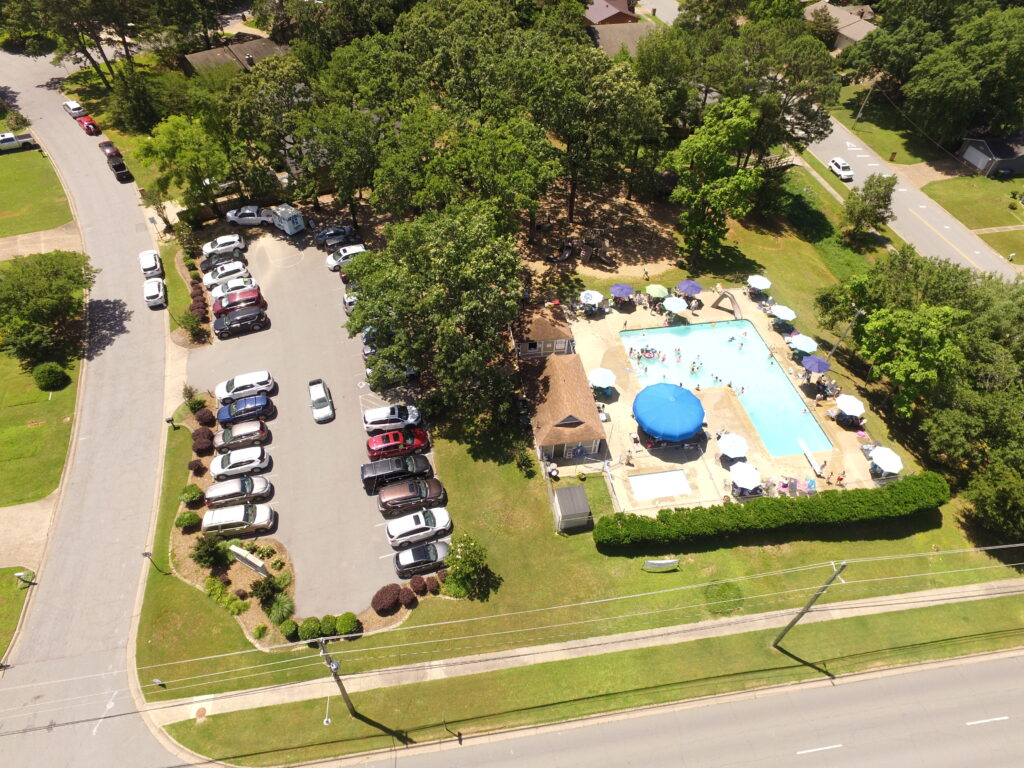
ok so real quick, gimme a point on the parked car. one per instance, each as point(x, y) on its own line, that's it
point(244, 385)
point(241, 435)
point(232, 285)
point(320, 401)
point(225, 272)
point(336, 260)
point(425, 558)
point(335, 236)
point(237, 490)
point(250, 215)
point(88, 125)
point(841, 168)
point(10, 141)
point(425, 525)
point(108, 149)
point(243, 461)
point(348, 301)
point(150, 264)
point(238, 321)
point(410, 495)
point(248, 408)
point(383, 472)
point(224, 244)
point(237, 520)
point(237, 300)
point(74, 109)
point(401, 442)
point(119, 169)
point(390, 417)
point(154, 292)
point(391, 376)
point(216, 259)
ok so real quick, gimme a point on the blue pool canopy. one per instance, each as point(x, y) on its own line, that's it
point(668, 412)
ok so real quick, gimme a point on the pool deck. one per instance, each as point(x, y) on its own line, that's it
point(599, 346)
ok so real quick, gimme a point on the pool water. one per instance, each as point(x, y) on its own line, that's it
point(734, 352)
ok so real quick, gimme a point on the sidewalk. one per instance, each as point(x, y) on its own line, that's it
point(165, 712)
point(63, 238)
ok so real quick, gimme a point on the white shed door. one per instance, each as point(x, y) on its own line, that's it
point(976, 157)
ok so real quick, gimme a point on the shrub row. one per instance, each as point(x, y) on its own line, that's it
point(327, 626)
point(907, 496)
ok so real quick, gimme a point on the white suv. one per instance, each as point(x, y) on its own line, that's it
point(841, 168)
point(390, 417)
point(154, 293)
point(225, 272)
point(150, 264)
point(244, 385)
point(74, 109)
point(240, 462)
point(238, 519)
point(342, 256)
point(224, 244)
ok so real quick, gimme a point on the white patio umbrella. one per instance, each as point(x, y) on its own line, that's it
point(850, 405)
point(759, 282)
point(601, 377)
point(802, 343)
point(886, 459)
point(591, 297)
point(745, 476)
point(783, 312)
point(675, 304)
point(732, 445)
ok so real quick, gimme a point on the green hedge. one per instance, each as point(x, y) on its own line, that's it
point(908, 496)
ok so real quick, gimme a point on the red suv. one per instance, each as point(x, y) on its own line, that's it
point(401, 442)
point(250, 297)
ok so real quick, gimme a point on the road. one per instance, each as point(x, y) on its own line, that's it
point(940, 717)
point(331, 528)
point(919, 220)
point(83, 608)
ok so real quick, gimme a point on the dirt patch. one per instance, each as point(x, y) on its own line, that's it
point(34, 423)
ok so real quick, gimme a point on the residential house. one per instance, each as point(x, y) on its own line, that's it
point(610, 12)
point(852, 21)
point(239, 55)
point(612, 38)
point(993, 155)
point(566, 423)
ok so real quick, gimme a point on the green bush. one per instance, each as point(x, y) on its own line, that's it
point(289, 629)
point(259, 631)
point(209, 552)
point(191, 494)
point(193, 327)
point(195, 403)
point(282, 607)
point(283, 580)
point(219, 591)
point(277, 564)
point(15, 120)
point(186, 238)
point(50, 377)
point(265, 590)
point(309, 629)
point(188, 519)
point(194, 274)
point(347, 624)
point(908, 496)
point(327, 624)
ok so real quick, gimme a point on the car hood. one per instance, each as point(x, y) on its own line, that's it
point(264, 514)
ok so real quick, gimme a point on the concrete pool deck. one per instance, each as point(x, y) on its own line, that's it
point(599, 346)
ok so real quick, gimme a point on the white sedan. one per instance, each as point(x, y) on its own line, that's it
point(429, 524)
point(233, 285)
point(335, 261)
point(250, 215)
point(224, 273)
point(154, 293)
point(224, 244)
point(150, 264)
point(320, 401)
point(244, 385)
point(240, 462)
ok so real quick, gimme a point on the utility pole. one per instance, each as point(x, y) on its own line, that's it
point(863, 104)
point(810, 603)
point(842, 338)
point(333, 666)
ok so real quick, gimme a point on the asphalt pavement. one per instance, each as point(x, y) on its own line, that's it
point(82, 611)
point(332, 529)
point(921, 221)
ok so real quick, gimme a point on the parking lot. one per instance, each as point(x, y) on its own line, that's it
point(331, 528)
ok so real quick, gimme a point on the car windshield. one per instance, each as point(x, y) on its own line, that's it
point(226, 434)
point(249, 515)
point(230, 384)
point(429, 519)
point(401, 412)
point(246, 485)
point(431, 552)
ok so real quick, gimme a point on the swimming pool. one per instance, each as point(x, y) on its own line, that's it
point(734, 352)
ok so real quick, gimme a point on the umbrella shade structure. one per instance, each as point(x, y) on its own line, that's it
point(591, 297)
point(850, 405)
point(689, 287)
point(601, 378)
point(815, 364)
point(886, 459)
point(759, 282)
point(657, 291)
point(621, 290)
point(745, 476)
point(802, 343)
point(668, 412)
point(783, 312)
point(732, 445)
point(675, 304)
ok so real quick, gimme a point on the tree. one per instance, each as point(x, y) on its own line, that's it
point(759, 10)
point(349, 139)
point(209, 552)
point(871, 204)
point(188, 157)
point(822, 26)
point(892, 52)
point(469, 575)
point(663, 59)
point(997, 497)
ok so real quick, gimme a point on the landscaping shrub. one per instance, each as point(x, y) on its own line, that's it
point(189, 263)
point(188, 391)
point(309, 629)
point(202, 433)
point(433, 585)
point(407, 598)
point(265, 552)
point(442, 575)
point(205, 417)
point(468, 574)
point(347, 624)
point(282, 607)
point(264, 591)
point(195, 404)
point(202, 447)
point(259, 631)
point(911, 495)
point(277, 564)
point(188, 519)
point(193, 274)
point(193, 326)
point(241, 594)
point(186, 238)
point(219, 592)
point(327, 624)
point(289, 629)
point(385, 602)
point(15, 120)
point(209, 552)
point(283, 580)
point(50, 377)
point(191, 495)
point(418, 584)
point(197, 467)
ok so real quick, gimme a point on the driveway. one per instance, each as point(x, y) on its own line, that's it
point(921, 221)
point(330, 526)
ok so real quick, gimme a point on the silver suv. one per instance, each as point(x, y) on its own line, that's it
point(238, 490)
point(241, 435)
point(390, 417)
point(242, 518)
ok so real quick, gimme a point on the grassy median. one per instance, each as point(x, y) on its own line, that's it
point(31, 196)
point(12, 599)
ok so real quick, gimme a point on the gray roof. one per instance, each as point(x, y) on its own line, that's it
point(611, 38)
point(572, 504)
point(236, 54)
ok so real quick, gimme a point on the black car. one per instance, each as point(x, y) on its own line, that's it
point(333, 237)
point(120, 170)
point(217, 259)
point(426, 558)
point(386, 471)
point(244, 319)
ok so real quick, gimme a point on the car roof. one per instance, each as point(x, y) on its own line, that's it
point(240, 295)
point(382, 412)
point(228, 514)
point(244, 313)
point(246, 427)
point(72, 104)
point(152, 286)
point(148, 256)
point(251, 453)
point(229, 266)
point(251, 400)
point(245, 378)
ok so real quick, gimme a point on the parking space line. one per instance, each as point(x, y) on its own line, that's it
point(385, 557)
point(819, 749)
point(989, 720)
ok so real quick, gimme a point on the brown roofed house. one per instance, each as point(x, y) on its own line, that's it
point(610, 12)
point(239, 55)
point(566, 424)
point(544, 331)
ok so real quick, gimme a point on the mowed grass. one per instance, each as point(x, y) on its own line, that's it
point(178, 298)
point(978, 202)
point(557, 691)
point(1007, 244)
point(883, 128)
point(12, 599)
point(31, 196)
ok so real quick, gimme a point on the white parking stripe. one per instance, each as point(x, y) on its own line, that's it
point(989, 720)
point(819, 749)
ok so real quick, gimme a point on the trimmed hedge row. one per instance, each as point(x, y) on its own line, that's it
point(900, 498)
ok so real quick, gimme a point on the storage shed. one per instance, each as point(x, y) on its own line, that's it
point(571, 509)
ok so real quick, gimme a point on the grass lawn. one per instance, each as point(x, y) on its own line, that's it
point(978, 202)
point(884, 129)
point(1006, 243)
point(556, 691)
point(35, 427)
point(12, 598)
point(31, 197)
point(178, 298)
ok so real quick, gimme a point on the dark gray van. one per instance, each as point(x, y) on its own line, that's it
point(385, 471)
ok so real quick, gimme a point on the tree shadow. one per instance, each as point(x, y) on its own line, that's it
point(53, 84)
point(881, 114)
point(108, 319)
point(8, 98)
point(728, 262)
